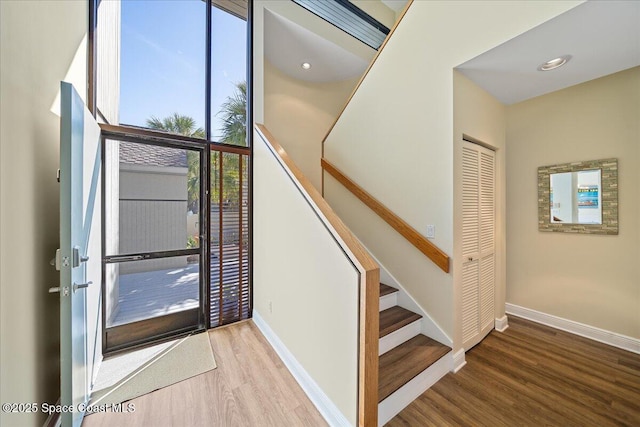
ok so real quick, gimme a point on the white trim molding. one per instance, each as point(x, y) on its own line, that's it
point(607, 337)
point(458, 360)
point(502, 323)
point(388, 301)
point(320, 400)
point(395, 338)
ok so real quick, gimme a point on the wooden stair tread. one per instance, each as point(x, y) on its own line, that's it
point(403, 363)
point(395, 318)
point(386, 290)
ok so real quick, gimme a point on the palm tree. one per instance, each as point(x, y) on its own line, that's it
point(233, 113)
point(176, 123)
point(184, 125)
point(234, 116)
point(234, 132)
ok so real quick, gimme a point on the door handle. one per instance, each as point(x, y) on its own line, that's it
point(77, 286)
point(59, 261)
point(77, 258)
point(125, 258)
point(64, 290)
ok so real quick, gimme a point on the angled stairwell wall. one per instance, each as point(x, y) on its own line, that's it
point(299, 114)
point(306, 296)
point(396, 137)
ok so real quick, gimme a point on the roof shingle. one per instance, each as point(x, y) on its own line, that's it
point(152, 155)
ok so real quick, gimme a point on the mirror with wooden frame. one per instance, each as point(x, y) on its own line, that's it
point(579, 197)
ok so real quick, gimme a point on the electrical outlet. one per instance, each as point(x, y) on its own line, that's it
point(270, 307)
point(431, 231)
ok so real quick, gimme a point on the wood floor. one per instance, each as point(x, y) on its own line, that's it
point(250, 387)
point(532, 375)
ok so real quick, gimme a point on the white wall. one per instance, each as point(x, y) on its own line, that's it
point(111, 220)
point(565, 197)
point(108, 60)
point(396, 138)
point(305, 288)
point(108, 104)
point(480, 116)
point(39, 41)
point(153, 216)
point(590, 279)
point(302, 17)
point(152, 182)
point(299, 114)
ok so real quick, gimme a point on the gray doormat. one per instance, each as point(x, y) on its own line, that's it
point(126, 376)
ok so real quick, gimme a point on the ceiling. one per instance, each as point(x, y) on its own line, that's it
point(395, 5)
point(288, 45)
point(603, 37)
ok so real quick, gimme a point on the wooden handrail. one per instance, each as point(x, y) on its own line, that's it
point(373, 61)
point(369, 284)
point(416, 239)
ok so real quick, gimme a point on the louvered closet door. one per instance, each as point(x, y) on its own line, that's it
point(478, 243)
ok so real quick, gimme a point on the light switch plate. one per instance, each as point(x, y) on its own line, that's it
point(431, 231)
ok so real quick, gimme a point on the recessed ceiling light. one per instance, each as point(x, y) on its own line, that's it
point(554, 63)
point(305, 65)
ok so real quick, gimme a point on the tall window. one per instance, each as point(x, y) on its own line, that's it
point(176, 226)
point(163, 63)
point(228, 77)
point(153, 67)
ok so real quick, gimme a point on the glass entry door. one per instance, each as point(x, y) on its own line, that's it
point(153, 230)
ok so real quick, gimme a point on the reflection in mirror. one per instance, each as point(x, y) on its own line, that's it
point(575, 197)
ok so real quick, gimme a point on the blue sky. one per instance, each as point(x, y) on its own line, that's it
point(163, 60)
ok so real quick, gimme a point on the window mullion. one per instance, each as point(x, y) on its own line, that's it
point(207, 107)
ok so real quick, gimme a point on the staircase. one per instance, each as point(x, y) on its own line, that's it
point(409, 362)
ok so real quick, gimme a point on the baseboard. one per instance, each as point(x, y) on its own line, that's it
point(458, 360)
point(611, 338)
point(392, 405)
point(325, 406)
point(501, 323)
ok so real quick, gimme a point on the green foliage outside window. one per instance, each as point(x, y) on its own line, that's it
point(234, 131)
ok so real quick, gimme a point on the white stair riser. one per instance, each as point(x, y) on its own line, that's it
point(395, 338)
point(388, 301)
point(401, 398)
